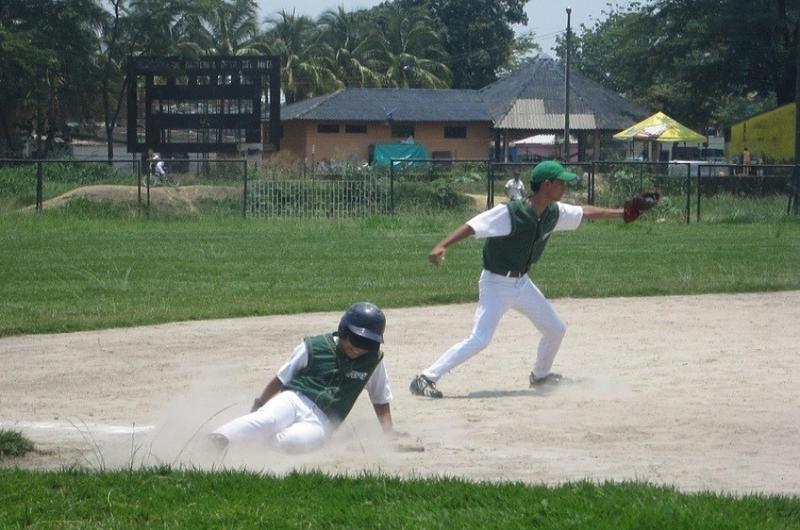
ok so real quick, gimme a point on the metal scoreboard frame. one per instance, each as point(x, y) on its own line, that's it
point(209, 104)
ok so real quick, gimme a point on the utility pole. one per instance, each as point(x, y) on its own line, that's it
point(566, 89)
point(796, 178)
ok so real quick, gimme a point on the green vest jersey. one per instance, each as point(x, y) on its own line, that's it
point(331, 379)
point(524, 245)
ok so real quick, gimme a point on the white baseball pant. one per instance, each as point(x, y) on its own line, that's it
point(498, 294)
point(290, 421)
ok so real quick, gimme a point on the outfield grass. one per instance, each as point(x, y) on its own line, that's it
point(62, 272)
point(165, 498)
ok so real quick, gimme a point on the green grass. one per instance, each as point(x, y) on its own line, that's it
point(13, 444)
point(174, 499)
point(63, 272)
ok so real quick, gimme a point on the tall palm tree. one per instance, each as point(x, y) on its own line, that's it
point(413, 55)
point(225, 27)
point(352, 47)
point(296, 40)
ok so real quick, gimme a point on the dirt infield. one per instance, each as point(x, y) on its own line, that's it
point(696, 391)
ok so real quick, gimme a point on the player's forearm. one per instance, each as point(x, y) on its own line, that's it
point(384, 413)
point(272, 389)
point(460, 233)
point(594, 213)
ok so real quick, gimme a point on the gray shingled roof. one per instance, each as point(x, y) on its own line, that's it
point(405, 104)
point(533, 98)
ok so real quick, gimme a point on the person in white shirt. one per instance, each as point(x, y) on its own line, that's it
point(515, 188)
point(516, 234)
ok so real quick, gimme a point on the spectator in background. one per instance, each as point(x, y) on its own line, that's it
point(746, 161)
point(515, 188)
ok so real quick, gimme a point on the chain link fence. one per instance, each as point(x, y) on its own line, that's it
point(690, 191)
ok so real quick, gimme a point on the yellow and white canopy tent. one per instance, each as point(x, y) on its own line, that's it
point(659, 128)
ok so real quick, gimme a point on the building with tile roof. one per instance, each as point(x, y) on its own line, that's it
point(457, 124)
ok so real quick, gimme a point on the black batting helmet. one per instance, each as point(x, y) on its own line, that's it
point(364, 320)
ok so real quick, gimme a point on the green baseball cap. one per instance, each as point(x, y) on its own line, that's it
point(549, 170)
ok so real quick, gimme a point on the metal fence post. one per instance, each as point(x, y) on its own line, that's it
point(796, 193)
point(244, 197)
point(391, 186)
point(489, 185)
point(39, 185)
point(698, 192)
point(688, 193)
point(138, 165)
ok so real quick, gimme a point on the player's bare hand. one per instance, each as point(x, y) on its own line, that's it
point(436, 256)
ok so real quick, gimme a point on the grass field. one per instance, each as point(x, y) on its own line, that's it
point(165, 498)
point(67, 273)
point(91, 270)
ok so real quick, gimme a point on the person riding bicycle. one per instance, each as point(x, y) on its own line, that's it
point(158, 172)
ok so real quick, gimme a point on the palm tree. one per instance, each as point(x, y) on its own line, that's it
point(351, 47)
point(413, 55)
point(224, 27)
point(296, 40)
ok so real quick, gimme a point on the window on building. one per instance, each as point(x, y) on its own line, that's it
point(355, 128)
point(327, 128)
point(402, 131)
point(455, 132)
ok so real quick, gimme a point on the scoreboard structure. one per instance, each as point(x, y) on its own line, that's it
point(204, 105)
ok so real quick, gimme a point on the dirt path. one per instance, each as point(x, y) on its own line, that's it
point(182, 198)
point(700, 392)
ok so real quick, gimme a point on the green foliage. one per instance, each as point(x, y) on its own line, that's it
point(164, 497)
point(437, 196)
point(13, 444)
point(479, 35)
point(18, 183)
point(697, 69)
point(622, 183)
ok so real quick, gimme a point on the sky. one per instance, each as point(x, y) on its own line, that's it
point(546, 18)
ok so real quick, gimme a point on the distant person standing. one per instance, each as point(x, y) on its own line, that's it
point(157, 170)
point(746, 161)
point(515, 188)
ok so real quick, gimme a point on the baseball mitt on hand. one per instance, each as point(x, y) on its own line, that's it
point(637, 204)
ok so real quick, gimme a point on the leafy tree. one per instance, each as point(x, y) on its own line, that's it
point(693, 57)
point(222, 27)
point(47, 52)
point(412, 54)
point(352, 45)
point(296, 40)
point(478, 35)
point(524, 49)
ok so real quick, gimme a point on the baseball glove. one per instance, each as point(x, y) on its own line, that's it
point(637, 204)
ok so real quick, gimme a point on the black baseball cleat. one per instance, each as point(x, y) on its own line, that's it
point(549, 379)
point(422, 386)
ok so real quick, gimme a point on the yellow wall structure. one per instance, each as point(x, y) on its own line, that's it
point(768, 136)
point(303, 140)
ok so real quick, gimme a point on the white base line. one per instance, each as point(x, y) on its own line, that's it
point(77, 426)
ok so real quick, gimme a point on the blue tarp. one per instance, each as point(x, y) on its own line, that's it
point(383, 154)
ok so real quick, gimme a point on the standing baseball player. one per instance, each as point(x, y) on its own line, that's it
point(515, 188)
point(314, 391)
point(516, 234)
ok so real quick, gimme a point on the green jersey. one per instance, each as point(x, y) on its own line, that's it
point(331, 379)
point(523, 247)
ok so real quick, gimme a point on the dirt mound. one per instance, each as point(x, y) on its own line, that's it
point(183, 198)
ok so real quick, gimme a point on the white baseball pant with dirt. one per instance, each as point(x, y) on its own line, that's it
point(289, 421)
point(497, 295)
